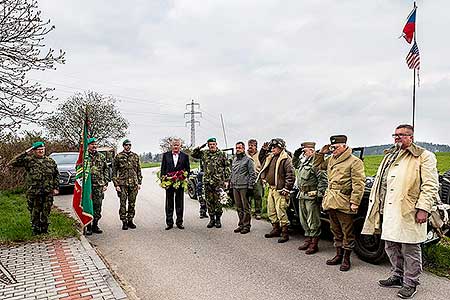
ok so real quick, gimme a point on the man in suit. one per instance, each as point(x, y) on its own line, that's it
point(173, 161)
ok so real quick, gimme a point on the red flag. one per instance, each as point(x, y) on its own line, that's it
point(410, 27)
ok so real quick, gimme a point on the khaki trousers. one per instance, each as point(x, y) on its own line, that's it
point(341, 225)
point(277, 205)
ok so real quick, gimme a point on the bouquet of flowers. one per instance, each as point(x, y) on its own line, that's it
point(175, 179)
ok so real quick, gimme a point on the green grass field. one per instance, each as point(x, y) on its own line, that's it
point(150, 165)
point(15, 221)
point(372, 162)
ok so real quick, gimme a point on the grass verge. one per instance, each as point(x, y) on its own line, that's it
point(150, 165)
point(15, 221)
point(437, 258)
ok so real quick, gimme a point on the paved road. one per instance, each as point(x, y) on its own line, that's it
point(200, 263)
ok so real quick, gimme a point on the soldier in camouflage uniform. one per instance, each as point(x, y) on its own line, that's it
point(127, 179)
point(100, 178)
point(217, 173)
point(42, 181)
point(312, 184)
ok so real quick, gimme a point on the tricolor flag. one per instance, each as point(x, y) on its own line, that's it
point(410, 26)
point(82, 195)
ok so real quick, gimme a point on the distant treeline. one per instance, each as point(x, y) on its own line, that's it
point(377, 150)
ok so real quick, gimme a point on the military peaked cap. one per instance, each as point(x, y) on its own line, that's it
point(311, 145)
point(338, 139)
point(212, 139)
point(38, 145)
point(91, 140)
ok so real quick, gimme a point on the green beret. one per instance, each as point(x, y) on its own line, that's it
point(91, 140)
point(38, 145)
point(338, 139)
point(127, 141)
point(211, 139)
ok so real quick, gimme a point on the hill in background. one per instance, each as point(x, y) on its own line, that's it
point(377, 150)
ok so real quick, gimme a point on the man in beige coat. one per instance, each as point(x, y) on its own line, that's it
point(404, 190)
point(346, 181)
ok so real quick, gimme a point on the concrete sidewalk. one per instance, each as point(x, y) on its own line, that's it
point(61, 269)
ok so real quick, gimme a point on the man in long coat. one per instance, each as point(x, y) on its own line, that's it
point(404, 190)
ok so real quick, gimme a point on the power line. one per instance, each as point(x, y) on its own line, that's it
point(193, 113)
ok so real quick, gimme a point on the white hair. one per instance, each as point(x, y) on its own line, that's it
point(173, 140)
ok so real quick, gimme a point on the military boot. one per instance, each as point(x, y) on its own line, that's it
point(124, 225)
point(218, 224)
point(44, 228)
point(88, 229)
point(95, 228)
point(305, 244)
point(203, 214)
point(212, 221)
point(275, 232)
point(337, 259)
point(36, 230)
point(345, 266)
point(313, 247)
point(284, 234)
point(131, 225)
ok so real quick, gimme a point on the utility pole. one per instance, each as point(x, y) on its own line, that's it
point(192, 120)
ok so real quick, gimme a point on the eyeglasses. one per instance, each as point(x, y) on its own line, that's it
point(127, 145)
point(400, 135)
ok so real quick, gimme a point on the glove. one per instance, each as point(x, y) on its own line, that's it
point(250, 193)
point(298, 152)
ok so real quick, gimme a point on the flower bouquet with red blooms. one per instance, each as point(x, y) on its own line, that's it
point(177, 179)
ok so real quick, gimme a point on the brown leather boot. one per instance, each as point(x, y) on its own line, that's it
point(275, 232)
point(284, 234)
point(345, 266)
point(337, 259)
point(314, 246)
point(305, 243)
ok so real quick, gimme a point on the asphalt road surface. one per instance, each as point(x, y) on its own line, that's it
point(201, 263)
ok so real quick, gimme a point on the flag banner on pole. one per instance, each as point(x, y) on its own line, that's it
point(82, 195)
point(413, 57)
point(410, 26)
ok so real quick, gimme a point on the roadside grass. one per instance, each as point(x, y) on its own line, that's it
point(150, 165)
point(437, 258)
point(15, 221)
point(371, 163)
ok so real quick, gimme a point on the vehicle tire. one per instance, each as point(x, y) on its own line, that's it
point(369, 248)
point(192, 189)
point(445, 188)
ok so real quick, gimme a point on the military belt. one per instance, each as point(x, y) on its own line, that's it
point(308, 188)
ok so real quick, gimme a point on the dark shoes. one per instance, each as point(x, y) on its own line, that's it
point(212, 221)
point(131, 225)
point(406, 292)
point(88, 230)
point(313, 246)
point(170, 226)
point(258, 216)
point(345, 266)
point(95, 228)
point(180, 226)
point(275, 232)
point(245, 231)
point(203, 214)
point(337, 259)
point(237, 230)
point(391, 282)
point(306, 243)
point(284, 235)
point(218, 224)
point(124, 225)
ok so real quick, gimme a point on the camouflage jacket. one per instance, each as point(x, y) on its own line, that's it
point(215, 165)
point(311, 182)
point(99, 169)
point(127, 169)
point(42, 174)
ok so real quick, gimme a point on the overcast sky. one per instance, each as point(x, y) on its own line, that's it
point(300, 70)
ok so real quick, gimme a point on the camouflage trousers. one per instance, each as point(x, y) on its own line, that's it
point(309, 211)
point(277, 205)
point(406, 261)
point(97, 200)
point(212, 200)
point(39, 206)
point(128, 193)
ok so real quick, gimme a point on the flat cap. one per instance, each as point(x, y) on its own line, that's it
point(212, 140)
point(311, 145)
point(91, 140)
point(38, 145)
point(338, 139)
point(126, 141)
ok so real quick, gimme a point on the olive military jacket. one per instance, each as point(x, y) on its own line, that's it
point(127, 169)
point(346, 180)
point(215, 165)
point(99, 169)
point(42, 174)
point(311, 182)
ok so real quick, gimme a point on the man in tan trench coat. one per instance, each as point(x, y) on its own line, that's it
point(346, 181)
point(404, 190)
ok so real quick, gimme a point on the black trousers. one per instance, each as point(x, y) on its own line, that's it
point(177, 196)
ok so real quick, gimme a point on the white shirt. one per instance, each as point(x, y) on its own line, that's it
point(175, 158)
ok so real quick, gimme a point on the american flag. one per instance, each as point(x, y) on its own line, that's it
point(413, 57)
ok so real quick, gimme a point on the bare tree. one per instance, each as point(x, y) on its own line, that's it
point(22, 32)
point(106, 122)
point(165, 143)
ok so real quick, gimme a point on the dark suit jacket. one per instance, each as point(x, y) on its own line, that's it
point(168, 166)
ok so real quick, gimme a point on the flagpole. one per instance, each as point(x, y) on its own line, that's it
point(414, 81)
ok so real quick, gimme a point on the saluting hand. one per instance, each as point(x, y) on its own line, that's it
point(325, 149)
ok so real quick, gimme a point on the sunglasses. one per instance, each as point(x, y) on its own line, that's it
point(400, 135)
point(127, 145)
